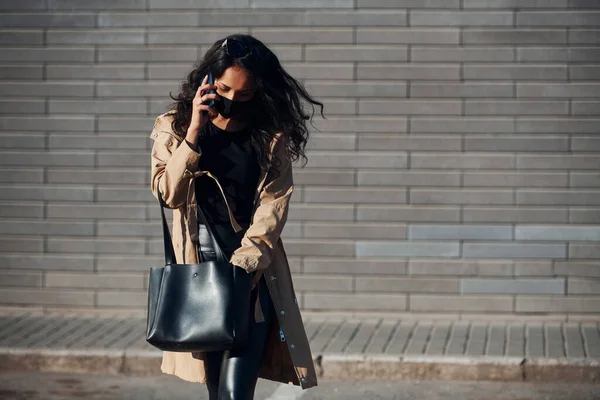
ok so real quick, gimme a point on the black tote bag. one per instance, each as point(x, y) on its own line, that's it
point(197, 307)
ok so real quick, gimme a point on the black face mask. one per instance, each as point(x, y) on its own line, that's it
point(236, 109)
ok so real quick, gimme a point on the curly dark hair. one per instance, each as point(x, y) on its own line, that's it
point(281, 98)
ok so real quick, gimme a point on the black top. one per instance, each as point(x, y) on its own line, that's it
point(230, 157)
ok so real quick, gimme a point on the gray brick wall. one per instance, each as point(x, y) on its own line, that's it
point(457, 172)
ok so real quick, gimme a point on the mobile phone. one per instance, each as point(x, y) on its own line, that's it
point(211, 102)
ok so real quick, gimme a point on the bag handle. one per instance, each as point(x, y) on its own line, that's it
point(168, 241)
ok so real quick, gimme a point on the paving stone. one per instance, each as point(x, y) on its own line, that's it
point(516, 340)
point(496, 345)
point(439, 339)
point(535, 340)
point(400, 339)
point(554, 341)
point(574, 341)
point(419, 339)
point(361, 338)
point(458, 339)
point(477, 340)
point(346, 332)
point(592, 339)
point(382, 337)
point(326, 333)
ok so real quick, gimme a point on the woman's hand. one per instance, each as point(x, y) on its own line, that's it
point(201, 113)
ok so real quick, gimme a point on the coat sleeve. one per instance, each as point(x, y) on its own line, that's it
point(173, 164)
point(257, 246)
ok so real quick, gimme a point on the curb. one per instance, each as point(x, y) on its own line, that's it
point(329, 366)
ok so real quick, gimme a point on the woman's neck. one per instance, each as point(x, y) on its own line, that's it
point(228, 124)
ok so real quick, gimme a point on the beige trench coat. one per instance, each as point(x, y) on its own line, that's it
point(288, 358)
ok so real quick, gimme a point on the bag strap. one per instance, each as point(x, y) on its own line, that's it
point(168, 241)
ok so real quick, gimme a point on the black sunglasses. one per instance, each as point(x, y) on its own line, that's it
point(237, 49)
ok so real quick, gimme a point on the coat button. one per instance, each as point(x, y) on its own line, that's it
point(273, 278)
point(295, 300)
point(303, 379)
point(282, 312)
point(292, 346)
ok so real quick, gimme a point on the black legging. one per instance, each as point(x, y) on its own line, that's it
point(232, 374)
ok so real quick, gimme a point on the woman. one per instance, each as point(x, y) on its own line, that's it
point(234, 161)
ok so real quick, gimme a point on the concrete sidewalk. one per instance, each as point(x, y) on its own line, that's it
point(343, 348)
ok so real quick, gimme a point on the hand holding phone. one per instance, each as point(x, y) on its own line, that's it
point(211, 102)
point(202, 107)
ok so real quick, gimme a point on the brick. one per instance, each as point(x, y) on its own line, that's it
point(142, 89)
point(558, 197)
point(519, 143)
point(61, 142)
point(356, 53)
point(461, 54)
point(515, 179)
point(585, 143)
point(454, 4)
point(125, 229)
point(362, 124)
point(96, 245)
point(287, 53)
point(354, 195)
point(331, 142)
point(462, 160)
point(363, 159)
point(514, 36)
point(96, 176)
point(22, 210)
point(574, 4)
point(354, 230)
point(354, 267)
point(584, 54)
point(120, 298)
point(321, 212)
point(408, 178)
point(95, 211)
point(407, 285)
point(542, 54)
point(46, 192)
point(190, 4)
point(513, 250)
point(21, 244)
point(94, 281)
point(22, 71)
point(51, 123)
point(125, 123)
point(153, 19)
point(461, 125)
point(405, 71)
point(582, 269)
point(409, 142)
point(147, 54)
point(20, 279)
point(383, 249)
point(557, 18)
point(319, 283)
point(533, 268)
point(557, 89)
point(22, 106)
point(55, 262)
point(304, 35)
point(47, 297)
point(21, 175)
point(105, 36)
point(512, 286)
point(95, 71)
point(21, 142)
point(356, 302)
point(48, 227)
point(433, 36)
point(46, 54)
point(23, 5)
point(516, 214)
point(584, 215)
point(470, 89)
point(583, 286)
point(584, 36)
point(584, 251)
point(515, 72)
point(320, 71)
point(459, 232)
point(461, 18)
point(313, 176)
point(28, 89)
point(409, 107)
point(122, 159)
point(187, 36)
point(584, 72)
point(304, 4)
point(559, 125)
point(55, 158)
point(105, 5)
point(515, 4)
point(549, 162)
point(557, 304)
point(265, 17)
point(124, 263)
point(516, 107)
point(124, 194)
point(408, 213)
point(488, 304)
point(585, 179)
point(48, 20)
point(356, 18)
point(557, 233)
point(99, 107)
point(22, 37)
point(330, 248)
